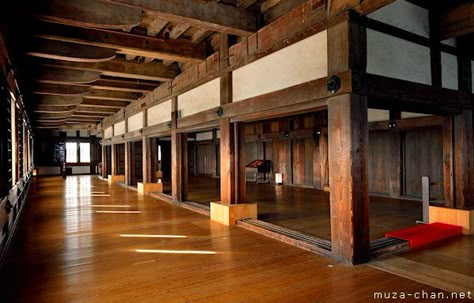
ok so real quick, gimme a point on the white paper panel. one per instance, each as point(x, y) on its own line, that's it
point(204, 136)
point(404, 15)
point(298, 63)
point(108, 132)
point(159, 113)
point(135, 122)
point(449, 71)
point(376, 115)
point(408, 115)
point(119, 128)
point(200, 98)
point(78, 170)
point(396, 58)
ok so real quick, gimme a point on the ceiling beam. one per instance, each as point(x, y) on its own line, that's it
point(203, 14)
point(92, 109)
point(153, 71)
point(64, 76)
point(111, 95)
point(54, 109)
point(57, 100)
point(104, 103)
point(335, 7)
point(143, 46)
point(89, 13)
point(457, 21)
point(73, 52)
point(121, 86)
point(59, 90)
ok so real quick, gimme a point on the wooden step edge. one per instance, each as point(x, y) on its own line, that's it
point(285, 239)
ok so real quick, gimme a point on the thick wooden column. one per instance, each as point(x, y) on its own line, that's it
point(464, 159)
point(113, 161)
point(146, 160)
point(448, 162)
point(227, 162)
point(128, 166)
point(178, 154)
point(104, 161)
point(349, 197)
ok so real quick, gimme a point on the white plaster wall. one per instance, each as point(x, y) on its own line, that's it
point(159, 113)
point(204, 136)
point(408, 115)
point(404, 15)
point(200, 98)
point(450, 42)
point(301, 62)
point(108, 132)
point(376, 115)
point(119, 128)
point(396, 58)
point(48, 170)
point(79, 170)
point(449, 71)
point(135, 122)
point(84, 133)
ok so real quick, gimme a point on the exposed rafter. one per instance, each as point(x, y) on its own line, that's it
point(204, 14)
point(70, 51)
point(89, 13)
point(61, 90)
point(66, 76)
point(457, 21)
point(127, 43)
point(154, 71)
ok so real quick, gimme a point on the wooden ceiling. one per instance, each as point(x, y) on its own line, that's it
point(84, 60)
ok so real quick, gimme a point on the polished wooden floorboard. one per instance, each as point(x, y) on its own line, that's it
point(307, 209)
point(68, 248)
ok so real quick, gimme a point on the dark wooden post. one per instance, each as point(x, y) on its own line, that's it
point(178, 162)
point(113, 161)
point(448, 162)
point(227, 162)
point(347, 148)
point(104, 161)
point(128, 172)
point(146, 160)
point(349, 190)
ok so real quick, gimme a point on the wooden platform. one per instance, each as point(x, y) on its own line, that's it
point(307, 210)
point(81, 240)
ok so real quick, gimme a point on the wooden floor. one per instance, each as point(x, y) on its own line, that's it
point(81, 240)
point(307, 210)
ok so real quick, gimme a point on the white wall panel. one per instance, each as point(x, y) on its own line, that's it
point(301, 62)
point(449, 71)
point(396, 58)
point(200, 98)
point(135, 122)
point(404, 15)
point(159, 113)
point(204, 136)
point(79, 170)
point(108, 132)
point(376, 115)
point(119, 128)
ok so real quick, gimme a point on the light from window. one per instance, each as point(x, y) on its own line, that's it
point(71, 152)
point(85, 152)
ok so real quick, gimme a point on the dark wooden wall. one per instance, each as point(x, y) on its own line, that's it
point(423, 156)
point(120, 159)
point(203, 158)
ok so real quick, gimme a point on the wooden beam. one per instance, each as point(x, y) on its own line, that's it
point(95, 109)
point(155, 27)
point(335, 7)
point(64, 76)
point(348, 178)
point(143, 46)
point(89, 13)
point(209, 15)
point(178, 30)
point(104, 103)
point(59, 90)
point(57, 100)
point(448, 163)
point(457, 21)
point(54, 109)
point(154, 71)
point(111, 95)
point(227, 162)
point(73, 52)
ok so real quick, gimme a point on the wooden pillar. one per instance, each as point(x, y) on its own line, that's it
point(178, 154)
point(128, 173)
point(348, 173)
point(395, 150)
point(464, 159)
point(153, 160)
point(323, 157)
point(227, 162)
point(104, 161)
point(114, 161)
point(146, 160)
point(448, 162)
point(239, 161)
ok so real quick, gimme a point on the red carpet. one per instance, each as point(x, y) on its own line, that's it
point(422, 235)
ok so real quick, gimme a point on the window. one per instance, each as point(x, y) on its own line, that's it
point(85, 152)
point(71, 152)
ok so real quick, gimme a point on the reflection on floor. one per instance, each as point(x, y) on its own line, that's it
point(448, 265)
point(307, 210)
point(82, 240)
